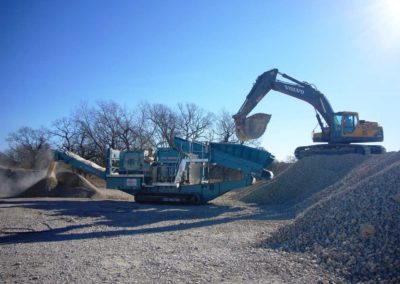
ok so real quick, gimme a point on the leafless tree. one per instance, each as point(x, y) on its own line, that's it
point(225, 127)
point(144, 130)
point(164, 121)
point(90, 130)
point(193, 122)
point(106, 124)
point(90, 143)
point(126, 131)
point(28, 147)
point(65, 131)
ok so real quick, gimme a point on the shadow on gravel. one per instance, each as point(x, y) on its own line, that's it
point(118, 218)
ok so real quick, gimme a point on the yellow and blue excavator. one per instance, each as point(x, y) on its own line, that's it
point(340, 128)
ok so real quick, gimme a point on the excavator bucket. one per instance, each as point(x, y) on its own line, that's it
point(252, 127)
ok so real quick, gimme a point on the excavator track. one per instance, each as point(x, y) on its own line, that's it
point(168, 198)
point(337, 149)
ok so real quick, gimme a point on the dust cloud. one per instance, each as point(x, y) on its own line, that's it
point(15, 181)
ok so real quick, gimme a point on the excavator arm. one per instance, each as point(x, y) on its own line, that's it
point(254, 126)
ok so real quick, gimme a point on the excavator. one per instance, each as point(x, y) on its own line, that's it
point(337, 133)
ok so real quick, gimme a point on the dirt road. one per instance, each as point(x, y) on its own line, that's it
point(84, 241)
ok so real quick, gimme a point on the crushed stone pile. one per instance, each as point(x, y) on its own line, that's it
point(364, 170)
point(301, 180)
point(353, 226)
point(70, 184)
point(33, 183)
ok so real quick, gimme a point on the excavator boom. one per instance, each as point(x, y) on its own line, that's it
point(254, 126)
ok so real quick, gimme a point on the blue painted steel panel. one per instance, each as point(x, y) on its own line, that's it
point(130, 184)
point(236, 156)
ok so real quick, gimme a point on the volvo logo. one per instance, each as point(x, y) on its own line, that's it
point(294, 89)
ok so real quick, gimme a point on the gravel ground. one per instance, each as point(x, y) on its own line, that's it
point(346, 230)
point(54, 240)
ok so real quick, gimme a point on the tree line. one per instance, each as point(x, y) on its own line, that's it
point(90, 129)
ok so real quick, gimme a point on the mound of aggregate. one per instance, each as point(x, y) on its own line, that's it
point(68, 184)
point(354, 225)
point(301, 180)
point(364, 170)
point(16, 182)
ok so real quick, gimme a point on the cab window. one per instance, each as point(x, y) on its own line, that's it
point(337, 122)
point(349, 123)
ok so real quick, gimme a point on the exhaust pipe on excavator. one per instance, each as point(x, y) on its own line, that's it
point(251, 127)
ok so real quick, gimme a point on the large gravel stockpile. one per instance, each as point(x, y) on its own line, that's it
point(72, 185)
point(301, 180)
point(353, 226)
point(32, 183)
point(68, 185)
point(364, 170)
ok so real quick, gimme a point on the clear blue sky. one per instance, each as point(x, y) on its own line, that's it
point(55, 54)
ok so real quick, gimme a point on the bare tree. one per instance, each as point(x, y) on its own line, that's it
point(127, 130)
point(225, 127)
point(91, 143)
point(165, 123)
point(193, 122)
point(28, 147)
point(90, 130)
point(65, 131)
point(134, 131)
point(144, 130)
point(83, 146)
point(105, 125)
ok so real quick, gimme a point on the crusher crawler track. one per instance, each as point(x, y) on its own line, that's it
point(337, 149)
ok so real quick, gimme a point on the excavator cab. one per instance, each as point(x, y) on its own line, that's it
point(344, 123)
point(348, 128)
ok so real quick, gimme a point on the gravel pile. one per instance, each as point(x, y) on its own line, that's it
point(368, 167)
point(70, 184)
point(67, 184)
point(301, 180)
point(353, 225)
point(33, 183)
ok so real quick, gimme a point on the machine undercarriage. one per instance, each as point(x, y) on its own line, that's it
point(337, 149)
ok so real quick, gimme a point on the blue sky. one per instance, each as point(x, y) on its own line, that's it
point(56, 54)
